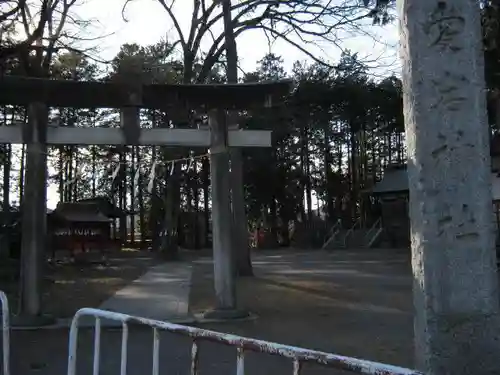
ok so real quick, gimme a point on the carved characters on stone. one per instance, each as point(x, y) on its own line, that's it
point(448, 91)
point(445, 27)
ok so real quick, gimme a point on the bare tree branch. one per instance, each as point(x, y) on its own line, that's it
point(297, 22)
point(168, 8)
point(54, 35)
point(12, 11)
point(23, 12)
point(44, 23)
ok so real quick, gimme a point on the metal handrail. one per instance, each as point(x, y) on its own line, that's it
point(335, 227)
point(374, 228)
point(5, 333)
point(351, 230)
point(332, 233)
point(299, 356)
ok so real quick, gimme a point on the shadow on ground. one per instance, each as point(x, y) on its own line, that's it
point(350, 303)
point(69, 287)
point(356, 303)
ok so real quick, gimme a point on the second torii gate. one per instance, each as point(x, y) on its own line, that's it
point(40, 94)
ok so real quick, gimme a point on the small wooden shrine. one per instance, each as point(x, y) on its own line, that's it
point(105, 206)
point(393, 193)
point(82, 227)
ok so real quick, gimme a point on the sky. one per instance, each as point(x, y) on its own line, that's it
point(147, 23)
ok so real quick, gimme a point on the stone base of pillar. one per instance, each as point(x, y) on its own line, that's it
point(226, 314)
point(31, 321)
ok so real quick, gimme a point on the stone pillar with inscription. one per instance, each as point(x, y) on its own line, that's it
point(453, 255)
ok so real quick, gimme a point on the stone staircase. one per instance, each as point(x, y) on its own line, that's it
point(354, 238)
point(337, 241)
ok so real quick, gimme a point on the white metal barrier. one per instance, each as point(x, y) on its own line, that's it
point(5, 334)
point(243, 345)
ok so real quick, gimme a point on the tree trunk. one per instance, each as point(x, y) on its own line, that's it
point(374, 158)
point(354, 175)
point(206, 207)
point(327, 159)
point(156, 208)
point(75, 185)
point(273, 222)
point(22, 174)
point(71, 175)
point(400, 148)
point(94, 171)
point(7, 164)
point(122, 195)
point(307, 173)
point(302, 208)
point(242, 256)
point(134, 168)
point(169, 244)
point(196, 197)
point(187, 223)
point(61, 177)
point(140, 201)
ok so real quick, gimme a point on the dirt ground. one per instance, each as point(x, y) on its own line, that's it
point(69, 287)
point(355, 303)
point(351, 303)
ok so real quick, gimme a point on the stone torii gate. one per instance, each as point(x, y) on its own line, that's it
point(130, 95)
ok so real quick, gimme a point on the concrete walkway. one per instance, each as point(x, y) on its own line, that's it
point(161, 294)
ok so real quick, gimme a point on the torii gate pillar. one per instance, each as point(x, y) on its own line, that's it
point(224, 277)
